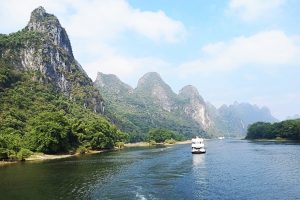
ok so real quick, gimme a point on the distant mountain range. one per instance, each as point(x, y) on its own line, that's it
point(153, 104)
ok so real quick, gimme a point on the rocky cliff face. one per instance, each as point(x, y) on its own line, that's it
point(46, 23)
point(43, 47)
point(194, 106)
point(153, 104)
point(152, 86)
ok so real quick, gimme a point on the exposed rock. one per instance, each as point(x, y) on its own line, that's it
point(153, 104)
point(48, 24)
point(112, 83)
point(44, 48)
point(194, 106)
point(151, 85)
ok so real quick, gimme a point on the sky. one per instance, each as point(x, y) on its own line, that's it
point(231, 50)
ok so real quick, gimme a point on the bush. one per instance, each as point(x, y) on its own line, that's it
point(23, 153)
point(152, 142)
point(119, 145)
point(82, 150)
point(12, 155)
point(170, 141)
point(3, 154)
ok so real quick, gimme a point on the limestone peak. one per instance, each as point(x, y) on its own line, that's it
point(43, 22)
point(190, 91)
point(150, 77)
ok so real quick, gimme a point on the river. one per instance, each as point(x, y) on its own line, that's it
point(231, 169)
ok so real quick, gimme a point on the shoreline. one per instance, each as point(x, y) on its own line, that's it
point(6, 163)
point(40, 157)
point(274, 140)
point(45, 157)
point(146, 144)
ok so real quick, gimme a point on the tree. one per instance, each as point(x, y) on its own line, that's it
point(259, 130)
point(160, 135)
point(49, 132)
point(289, 129)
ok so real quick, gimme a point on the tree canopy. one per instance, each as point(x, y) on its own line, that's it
point(161, 135)
point(34, 117)
point(289, 129)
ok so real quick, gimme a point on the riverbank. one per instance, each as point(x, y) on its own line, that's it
point(137, 144)
point(146, 144)
point(42, 156)
point(5, 163)
point(36, 157)
point(274, 140)
point(184, 142)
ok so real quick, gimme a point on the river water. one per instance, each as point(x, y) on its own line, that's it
point(231, 169)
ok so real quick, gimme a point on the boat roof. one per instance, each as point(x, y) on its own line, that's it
point(197, 139)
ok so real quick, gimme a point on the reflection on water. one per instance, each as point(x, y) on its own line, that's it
point(230, 169)
point(198, 159)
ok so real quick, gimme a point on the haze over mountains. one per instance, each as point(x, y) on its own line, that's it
point(153, 104)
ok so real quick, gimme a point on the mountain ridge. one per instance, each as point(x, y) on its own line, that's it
point(229, 120)
point(152, 104)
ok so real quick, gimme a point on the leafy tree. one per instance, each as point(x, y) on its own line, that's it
point(49, 132)
point(160, 135)
point(289, 129)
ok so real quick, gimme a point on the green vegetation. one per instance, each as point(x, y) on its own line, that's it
point(19, 39)
point(160, 135)
point(120, 145)
point(136, 112)
point(36, 118)
point(170, 141)
point(289, 129)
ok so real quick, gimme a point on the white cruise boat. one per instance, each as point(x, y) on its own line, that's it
point(198, 145)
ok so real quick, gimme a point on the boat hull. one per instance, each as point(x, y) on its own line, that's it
point(198, 151)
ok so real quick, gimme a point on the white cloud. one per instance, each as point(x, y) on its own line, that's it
point(255, 9)
point(95, 28)
point(106, 19)
point(103, 19)
point(266, 50)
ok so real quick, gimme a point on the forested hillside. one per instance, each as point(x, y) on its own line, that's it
point(48, 103)
point(152, 105)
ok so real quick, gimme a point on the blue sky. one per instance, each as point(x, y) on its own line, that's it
point(231, 50)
